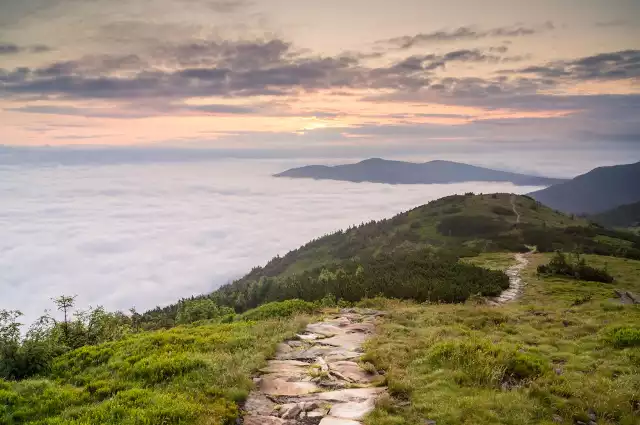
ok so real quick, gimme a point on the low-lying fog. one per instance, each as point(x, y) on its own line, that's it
point(147, 234)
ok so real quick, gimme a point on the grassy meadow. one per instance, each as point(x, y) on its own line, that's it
point(186, 375)
point(565, 353)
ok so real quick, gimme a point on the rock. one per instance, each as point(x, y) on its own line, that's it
point(339, 354)
point(580, 423)
point(352, 410)
point(328, 420)
point(275, 385)
point(310, 405)
point(360, 327)
point(352, 371)
point(294, 344)
point(429, 422)
point(324, 329)
point(286, 368)
point(309, 354)
point(317, 413)
point(283, 348)
point(257, 403)
point(308, 337)
point(350, 394)
point(592, 415)
point(264, 420)
point(593, 423)
point(351, 342)
point(558, 371)
point(290, 411)
point(557, 419)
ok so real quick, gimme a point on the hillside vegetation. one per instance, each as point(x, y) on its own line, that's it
point(566, 353)
point(599, 190)
point(622, 216)
point(185, 375)
point(565, 350)
point(427, 241)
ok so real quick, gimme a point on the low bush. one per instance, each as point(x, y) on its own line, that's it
point(560, 266)
point(502, 211)
point(626, 336)
point(471, 226)
point(279, 309)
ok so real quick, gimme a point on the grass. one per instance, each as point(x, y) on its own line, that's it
point(492, 260)
point(542, 360)
point(185, 375)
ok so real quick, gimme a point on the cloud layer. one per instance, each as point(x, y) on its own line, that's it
point(140, 235)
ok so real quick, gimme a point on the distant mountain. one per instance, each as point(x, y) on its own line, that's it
point(598, 190)
point(378, 170)
point(623, 216)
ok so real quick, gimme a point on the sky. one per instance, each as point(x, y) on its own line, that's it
point(282, 74)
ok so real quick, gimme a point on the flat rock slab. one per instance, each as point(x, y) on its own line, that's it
point(351, 341)
point(329, 420)
point(259, 404)
point(366, 327)
point(308, 337)
point(353, 410)
point(338, 355)
point(325, 329)
point(265, 420)
point(350, 394)
point(286, 368)
point(275, 385)
point(352, 371)
point(312, 352)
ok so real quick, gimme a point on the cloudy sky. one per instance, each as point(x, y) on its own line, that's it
point(271, 74)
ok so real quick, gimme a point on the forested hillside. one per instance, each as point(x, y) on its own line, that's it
point(427, 241)
point(623, 216)
point(599, 190)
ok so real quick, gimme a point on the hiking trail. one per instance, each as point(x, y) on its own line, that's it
point(316, 379)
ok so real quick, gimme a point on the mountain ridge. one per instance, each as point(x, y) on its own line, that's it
point(596, 191)
point(378, 170)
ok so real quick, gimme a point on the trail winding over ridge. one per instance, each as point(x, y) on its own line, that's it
point(513, 207)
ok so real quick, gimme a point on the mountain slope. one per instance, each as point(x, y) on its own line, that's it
point(598, 190)
point(623, 216)
point(378, 170)
point(393, 254)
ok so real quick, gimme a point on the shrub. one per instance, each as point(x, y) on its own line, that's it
point(470, 226)
point(191, 311)
point(626, 336)
point(500, 210)
point(558, 265)
point(279, 309)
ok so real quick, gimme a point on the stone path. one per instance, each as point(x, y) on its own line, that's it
point(316, 379)
point(516, 284)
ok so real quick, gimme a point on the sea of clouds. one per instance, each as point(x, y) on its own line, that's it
point(124, 235)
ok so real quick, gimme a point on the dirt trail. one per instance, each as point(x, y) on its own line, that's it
point(316, 379)
point(516, 284)
point(513, 207)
